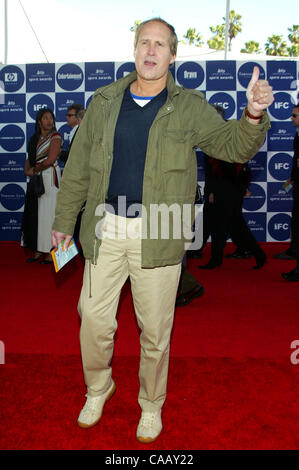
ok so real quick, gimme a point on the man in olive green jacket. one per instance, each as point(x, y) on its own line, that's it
point(115, 246)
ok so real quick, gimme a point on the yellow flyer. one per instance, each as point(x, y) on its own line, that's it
point(61, 257)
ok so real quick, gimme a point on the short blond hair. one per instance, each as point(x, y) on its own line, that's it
point(173, 39)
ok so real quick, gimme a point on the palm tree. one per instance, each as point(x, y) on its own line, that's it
point(294, 40)
point(234, 27)
point(251, 47)
point(193, 37)
point(218, 40)
point(276, 46)
point(136, 24)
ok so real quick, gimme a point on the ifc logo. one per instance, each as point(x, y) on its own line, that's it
point(280, 166)
point(282, 106)
point(38, 102)
point(225, 101)
point(279, 227)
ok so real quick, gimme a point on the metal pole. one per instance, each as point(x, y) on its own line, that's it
point(226, 29)
point(5, 32)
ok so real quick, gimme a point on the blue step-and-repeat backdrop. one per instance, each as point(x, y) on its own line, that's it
point(24, 89)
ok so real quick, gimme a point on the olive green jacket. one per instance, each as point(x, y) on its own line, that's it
point(184, 122)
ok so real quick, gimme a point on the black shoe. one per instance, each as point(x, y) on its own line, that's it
point(46, 261)
point(239, 255)
point(210, 265)
point(285, 255)
point(185, 299)
point(33, 259)
point(292, 276)
point(260, 259)
point(194, 254)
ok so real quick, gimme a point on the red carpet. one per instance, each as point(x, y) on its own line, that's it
point(231, 382)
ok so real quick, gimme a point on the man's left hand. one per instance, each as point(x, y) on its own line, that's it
point(259, 93)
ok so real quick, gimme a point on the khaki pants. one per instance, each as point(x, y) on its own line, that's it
point(154, 293)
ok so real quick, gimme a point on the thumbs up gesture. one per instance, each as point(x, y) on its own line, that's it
point(259, 94)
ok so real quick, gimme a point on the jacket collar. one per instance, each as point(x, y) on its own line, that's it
point(114, 89)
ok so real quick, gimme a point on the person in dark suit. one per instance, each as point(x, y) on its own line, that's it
point(74, 116)
point(225, 187)
point(293, 251)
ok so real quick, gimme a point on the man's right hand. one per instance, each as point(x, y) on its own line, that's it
point(58, 237)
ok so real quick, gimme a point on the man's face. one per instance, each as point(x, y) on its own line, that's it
point(295, 116)
point(152, 53)
point(71, 118)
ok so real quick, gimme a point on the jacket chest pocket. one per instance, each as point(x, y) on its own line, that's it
point(96, 161)
point(178, 165)
point(175, 155)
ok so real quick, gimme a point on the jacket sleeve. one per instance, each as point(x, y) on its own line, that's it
point(232, 140)
point(75, 179)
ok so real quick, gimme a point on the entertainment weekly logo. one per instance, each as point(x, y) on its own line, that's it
point(167, 222)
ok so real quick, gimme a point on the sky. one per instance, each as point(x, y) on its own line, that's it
point(95, 30)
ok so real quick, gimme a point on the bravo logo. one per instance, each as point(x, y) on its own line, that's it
point(225, 101)
point(38, 102)
point(279, 227)
point(69, 77)
point(190, 75)
point(280, 166)
point(282, 106)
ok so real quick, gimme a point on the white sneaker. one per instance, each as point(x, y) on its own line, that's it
point(149, 427)
point(92, 411)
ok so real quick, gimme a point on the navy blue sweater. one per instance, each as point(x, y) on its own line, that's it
point(130, 145)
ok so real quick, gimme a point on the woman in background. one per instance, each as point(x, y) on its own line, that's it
point(43, 151)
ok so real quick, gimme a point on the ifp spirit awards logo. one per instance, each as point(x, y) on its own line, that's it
point(256, 222)
point(40, 78)
point(221, 75)
point(64, 101)
point(281, 136)
point(12, 167)
point(278, 200)
point(13, 109)
point(98, 74)
point(281, 74)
